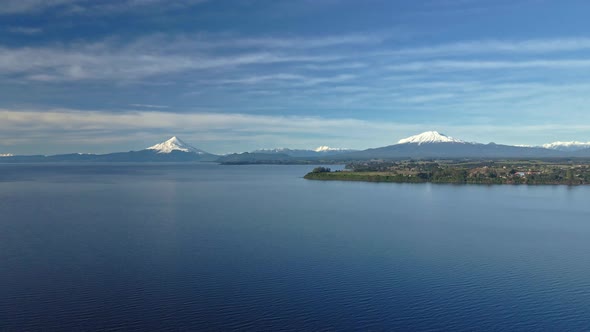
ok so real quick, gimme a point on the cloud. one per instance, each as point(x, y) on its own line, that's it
point(61, 128)
point(337, 66)
point(11, 7)
point(149, 106)
point(65, 119)
point(221, 42)
point(277, 79)
point(104, 62)
point(496, 47)
point(295, 42)
point(488, 65)
point(217, 132)
point(27, 6)
point(291, 79)
point(124, 5)
point(120, 60)
point(158, 55)
point(152, 56)
point(25, 30)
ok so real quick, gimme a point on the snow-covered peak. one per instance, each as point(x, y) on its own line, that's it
point(567, 146)
point(175, 144)
point(275, 150)
point(429, 137)
point(325, 148)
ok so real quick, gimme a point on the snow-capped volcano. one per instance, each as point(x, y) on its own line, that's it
point(429, 137)
point(567, 146)
point(175, 144)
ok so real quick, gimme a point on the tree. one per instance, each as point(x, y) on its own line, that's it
point(569, 175)
point(321, 170)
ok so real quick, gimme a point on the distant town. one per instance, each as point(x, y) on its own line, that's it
point(468, 172)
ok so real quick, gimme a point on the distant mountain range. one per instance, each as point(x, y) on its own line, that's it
point(173, 150)
point(432, 144)
point(317, 152)
point(283, 155)
point(427, 145)
point(567, 146)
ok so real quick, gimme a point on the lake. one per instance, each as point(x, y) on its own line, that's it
point(211, 247)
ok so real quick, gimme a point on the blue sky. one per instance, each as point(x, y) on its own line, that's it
point(231, 76)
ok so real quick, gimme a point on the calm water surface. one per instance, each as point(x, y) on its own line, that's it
point(208, 247)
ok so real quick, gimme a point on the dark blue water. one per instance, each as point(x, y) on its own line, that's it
point(208, 247)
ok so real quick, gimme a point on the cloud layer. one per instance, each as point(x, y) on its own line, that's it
point(89, 131)
point(340, 72)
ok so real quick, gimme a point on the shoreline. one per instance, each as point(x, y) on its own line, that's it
point(389, 178)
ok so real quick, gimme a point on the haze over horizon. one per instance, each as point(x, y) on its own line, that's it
point(233, 76)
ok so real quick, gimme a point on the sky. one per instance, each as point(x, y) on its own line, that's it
point(232, 76)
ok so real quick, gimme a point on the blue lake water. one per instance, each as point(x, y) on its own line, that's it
point(209, 247)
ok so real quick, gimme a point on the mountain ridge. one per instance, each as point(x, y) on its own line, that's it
point(323, 150)
point(567, 146)
point(171, 150)
point(432, 144)
point(426, 145)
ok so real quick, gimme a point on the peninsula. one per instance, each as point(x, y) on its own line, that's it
point(462, 172)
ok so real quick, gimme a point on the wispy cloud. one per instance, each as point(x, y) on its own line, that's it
point(493, 47)
point(250, 130)
point(337, 66)
point(25, 30)
point(485, 65)
point(149, 106)
point(225, 42)
point(295, 42)
point(27, 6)
point(292, 80)
point(96, 62)
point(221, 132)
point(149, 56)
point(156, 55)
point(87, 7)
